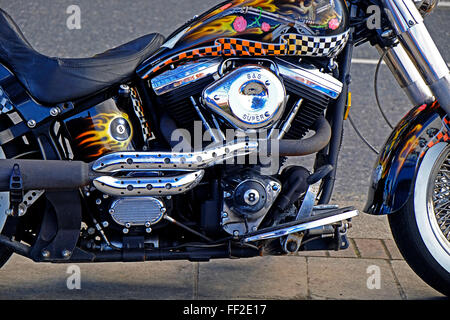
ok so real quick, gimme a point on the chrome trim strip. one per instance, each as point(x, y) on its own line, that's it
point(148, 186)
point(302, 227)
point(312, 78)
point(138, 161)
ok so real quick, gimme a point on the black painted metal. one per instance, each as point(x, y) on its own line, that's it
point(335, 114)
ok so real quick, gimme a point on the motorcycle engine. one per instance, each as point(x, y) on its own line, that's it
point(247, 94)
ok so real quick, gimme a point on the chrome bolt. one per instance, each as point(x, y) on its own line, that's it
point(236, 233)
point(8, 212)
point(45, 254)
point(111, 211)
point(105, 196)
point(254, 228)
point(128, 225)
point(66, 254)
point(148, 224)
point(125, 230)
point(88, 194)
point(387, 34)
point(54, 112)
point(105, 224)
point(91, 231)
point(275, 187)
point(169, 197)
point(148, 230)
point(21, 212)
point(98, 202)
point(224, 215)
point(227, 195)
point(31, 123)
point(163, 210)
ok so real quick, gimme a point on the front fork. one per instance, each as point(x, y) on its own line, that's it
point(416, 62)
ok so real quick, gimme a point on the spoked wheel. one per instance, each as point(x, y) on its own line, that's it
point(422, 228)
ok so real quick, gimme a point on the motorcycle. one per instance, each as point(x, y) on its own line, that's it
point(175, 149)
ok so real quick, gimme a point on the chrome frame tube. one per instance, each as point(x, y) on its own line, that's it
point(414, 36)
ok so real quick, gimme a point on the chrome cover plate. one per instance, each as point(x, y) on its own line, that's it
point(184, 75)
point(232, 220)
point(137, 211)
point(312, 78)
point(248, 97)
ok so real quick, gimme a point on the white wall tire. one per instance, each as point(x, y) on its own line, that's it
point(433, 238)
point(415, 228)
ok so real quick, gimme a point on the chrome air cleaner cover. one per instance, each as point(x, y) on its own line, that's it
point(249, 97)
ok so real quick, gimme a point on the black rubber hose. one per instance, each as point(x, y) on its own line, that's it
point(307, 146)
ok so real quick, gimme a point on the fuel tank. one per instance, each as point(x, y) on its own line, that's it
point(317, 28)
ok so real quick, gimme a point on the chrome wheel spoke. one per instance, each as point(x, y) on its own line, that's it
point(441, 198)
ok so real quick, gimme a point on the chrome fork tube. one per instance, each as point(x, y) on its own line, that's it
point(406, 74)
point(415, 38)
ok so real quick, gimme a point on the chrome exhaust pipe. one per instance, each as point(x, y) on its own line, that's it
point(148, 186)
point(138, 161)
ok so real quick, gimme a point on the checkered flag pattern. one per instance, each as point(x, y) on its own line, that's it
point(315, 46)
point(441, 136)
point(139, 111)
point(5, 104)
point(290, 44)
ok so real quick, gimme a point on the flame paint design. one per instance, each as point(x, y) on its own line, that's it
point(98, 138)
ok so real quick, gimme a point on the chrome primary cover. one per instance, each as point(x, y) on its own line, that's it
point(250, 97)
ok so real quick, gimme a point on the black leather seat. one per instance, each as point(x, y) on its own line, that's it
point(53, 80)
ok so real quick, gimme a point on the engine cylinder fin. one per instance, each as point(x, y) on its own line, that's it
point(312, 108)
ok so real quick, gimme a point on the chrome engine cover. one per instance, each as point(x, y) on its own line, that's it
point(249, 97)
point(137, 211)
point(185, 74)
point(248, 198)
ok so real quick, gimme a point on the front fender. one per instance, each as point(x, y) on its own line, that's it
point(395, 170)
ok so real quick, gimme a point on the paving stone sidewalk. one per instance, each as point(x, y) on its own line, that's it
point(317, 275)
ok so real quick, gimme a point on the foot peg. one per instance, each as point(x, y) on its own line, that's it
point(315, 221)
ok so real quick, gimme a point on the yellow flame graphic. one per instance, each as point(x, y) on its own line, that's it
point(98, 137)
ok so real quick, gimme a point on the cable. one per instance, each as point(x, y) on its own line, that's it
point(375, 86)
point(362, 137)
